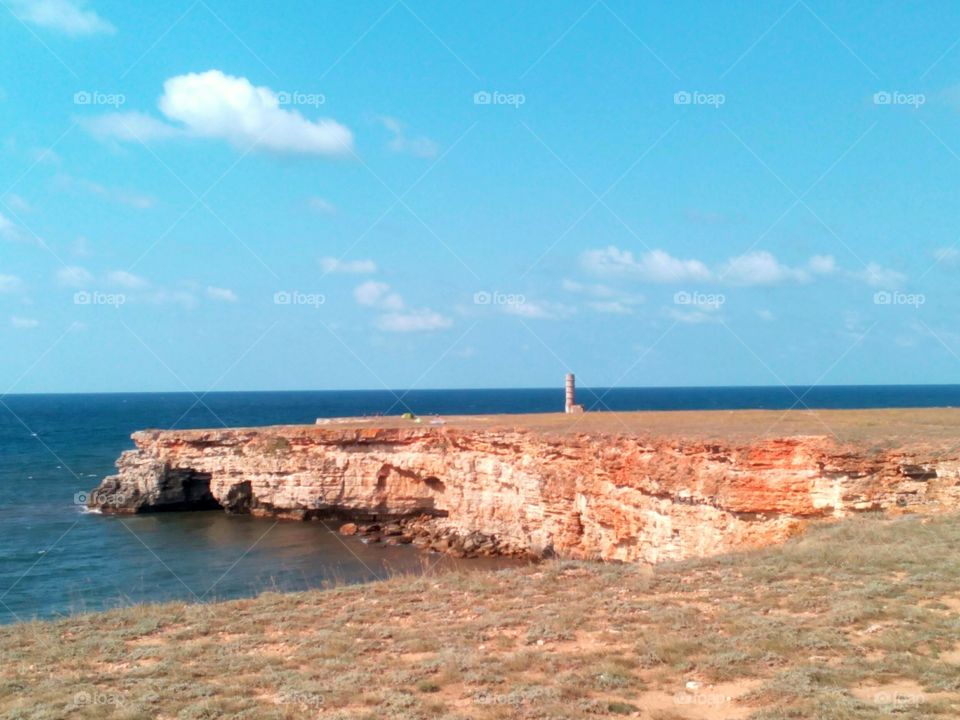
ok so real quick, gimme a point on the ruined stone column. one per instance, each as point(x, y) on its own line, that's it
point(571, 393)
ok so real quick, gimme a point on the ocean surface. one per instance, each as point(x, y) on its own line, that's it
point(57, 559)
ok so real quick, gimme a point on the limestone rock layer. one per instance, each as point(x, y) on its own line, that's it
point(589, 495)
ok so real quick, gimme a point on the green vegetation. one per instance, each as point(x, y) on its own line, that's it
point(852, 621)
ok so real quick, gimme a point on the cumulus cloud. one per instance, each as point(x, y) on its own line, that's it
point(413, 321)
point(23, 323)
point(377, 294)
point(658, 266)
point(222, 294)
point(9, 283)
point(347, 267)
point(218, 106)
point(395, 317)
point(67, 16)
point(876, 275)
point(74, 276)
point(653, 266)
point(400, 143)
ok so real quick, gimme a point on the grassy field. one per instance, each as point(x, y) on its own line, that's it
point(859, 619)
point(881, 428)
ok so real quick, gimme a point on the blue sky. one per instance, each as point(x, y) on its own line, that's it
point(216, 196)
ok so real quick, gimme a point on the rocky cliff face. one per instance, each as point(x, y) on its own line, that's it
point(590, 495)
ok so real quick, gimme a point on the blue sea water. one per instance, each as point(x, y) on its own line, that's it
point(56, 559)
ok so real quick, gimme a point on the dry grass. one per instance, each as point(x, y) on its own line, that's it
point(932, 428)
point(852, 621)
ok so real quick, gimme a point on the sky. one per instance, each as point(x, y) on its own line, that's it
point(214, 195)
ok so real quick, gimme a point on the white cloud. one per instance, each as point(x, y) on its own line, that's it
point(822, 264)
point(7, 227)
point(222, 294)
point(419, 146)
point(766, 315)
point(347, 267)
point(129, 127)
point(692, 317)
point(876, 275)
point(127, 280)
point(217, 106)
point(9, 283)
point(413, 321)
point(66, 16)
point(947, 256)
point(118, 195)
point(370, 292)
point(657, 266)
point(396, 318)
point(603, 298)
point(172, 297)
point(760, 268)
point(74, 276)
point(611, 307)
point(653, 266)
point(322, 205)
point(17, 203)
point(23, 323)
point(531, 310)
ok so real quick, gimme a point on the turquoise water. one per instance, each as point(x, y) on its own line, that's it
point(55, 558)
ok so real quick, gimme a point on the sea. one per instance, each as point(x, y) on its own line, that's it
point(57, 559)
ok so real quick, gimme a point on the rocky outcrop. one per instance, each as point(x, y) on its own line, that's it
point(612, 496)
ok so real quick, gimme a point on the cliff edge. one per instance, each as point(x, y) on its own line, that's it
point(635, 487)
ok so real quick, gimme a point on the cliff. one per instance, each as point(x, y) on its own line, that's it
point(631, 487)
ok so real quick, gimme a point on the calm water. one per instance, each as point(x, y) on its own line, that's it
point(57, 559)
